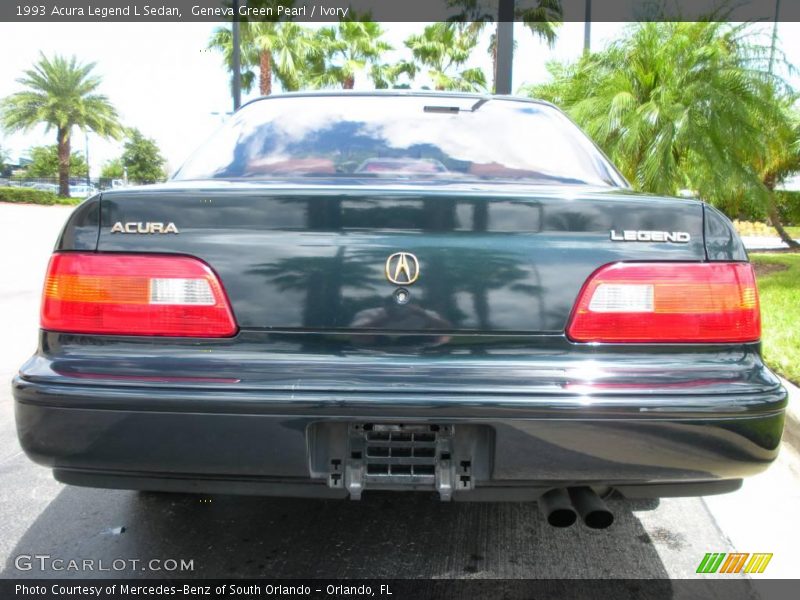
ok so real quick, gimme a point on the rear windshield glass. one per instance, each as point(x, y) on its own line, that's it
point(400, 137)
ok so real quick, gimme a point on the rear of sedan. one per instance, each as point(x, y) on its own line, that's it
point(347, 293)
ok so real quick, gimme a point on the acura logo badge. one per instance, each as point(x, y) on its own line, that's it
point(402, 268)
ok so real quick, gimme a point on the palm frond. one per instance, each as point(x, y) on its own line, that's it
point(684, 104)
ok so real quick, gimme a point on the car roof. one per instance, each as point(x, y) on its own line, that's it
point(398, 93)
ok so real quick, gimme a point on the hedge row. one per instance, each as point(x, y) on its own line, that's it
point(788, 207)
point(31, 196)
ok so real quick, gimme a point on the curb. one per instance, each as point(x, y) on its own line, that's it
point(763, 243)
point(791, 430)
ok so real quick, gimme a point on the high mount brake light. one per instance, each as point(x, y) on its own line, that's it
point(126, 294)
point(668, 303)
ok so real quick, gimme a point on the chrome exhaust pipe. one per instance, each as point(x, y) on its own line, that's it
point(593, 511)
point(556, 508)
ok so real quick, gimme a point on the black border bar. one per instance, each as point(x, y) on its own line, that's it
point(40, 11)
point(733, 588)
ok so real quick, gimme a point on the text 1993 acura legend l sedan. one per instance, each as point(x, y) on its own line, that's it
point(341, 293)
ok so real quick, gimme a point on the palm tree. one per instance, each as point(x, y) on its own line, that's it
point(61, 94)
point(222, 41)
point(387, 75)
point(351, 47)
point(587, 27)
point(681, 106)
point(542, 20)
point(443, 47)
point(263, 38)
point(781, 159)
point(3, 158)
point(285, 51)
point(280, 50)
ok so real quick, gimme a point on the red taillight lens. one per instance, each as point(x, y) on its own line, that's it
point(668, 302)
point(125, 294)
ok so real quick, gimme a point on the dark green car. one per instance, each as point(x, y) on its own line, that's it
point(348, 292)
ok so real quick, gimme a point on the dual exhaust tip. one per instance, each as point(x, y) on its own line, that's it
point(561, 507)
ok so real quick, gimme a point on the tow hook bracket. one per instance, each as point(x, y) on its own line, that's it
point(401, 457)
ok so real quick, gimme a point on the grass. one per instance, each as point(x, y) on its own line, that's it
point(779, 289)
point(23, 195)
point(793, 231)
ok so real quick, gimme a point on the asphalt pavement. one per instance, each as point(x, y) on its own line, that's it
point(384, 535)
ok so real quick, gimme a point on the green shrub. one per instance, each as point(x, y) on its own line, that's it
point(788, 207)
point(30, 196)
point(741, 207)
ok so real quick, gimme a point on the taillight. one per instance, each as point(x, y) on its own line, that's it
point(668, 302)
point(125, 294)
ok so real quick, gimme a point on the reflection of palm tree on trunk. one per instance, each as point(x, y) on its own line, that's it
point(321, 278)
point(447, 272)
point(480, 296)
point(440, 295)
point(337, 287)
point(476, 272)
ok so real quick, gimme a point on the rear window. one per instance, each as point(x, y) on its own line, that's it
point(401, 137)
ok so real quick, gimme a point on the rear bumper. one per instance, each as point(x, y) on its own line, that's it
point(266, 442)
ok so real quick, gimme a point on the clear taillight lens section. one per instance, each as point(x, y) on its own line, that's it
point(668, 302)
point(126, 294)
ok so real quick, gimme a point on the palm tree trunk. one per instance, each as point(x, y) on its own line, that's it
point(494, 61)
point(265, 76)
point(587, 27)
point(349, 82)
point(772, 212)
point(63, 162)
point(775, 221)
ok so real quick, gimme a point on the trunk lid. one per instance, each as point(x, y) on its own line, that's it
point(491, 259)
